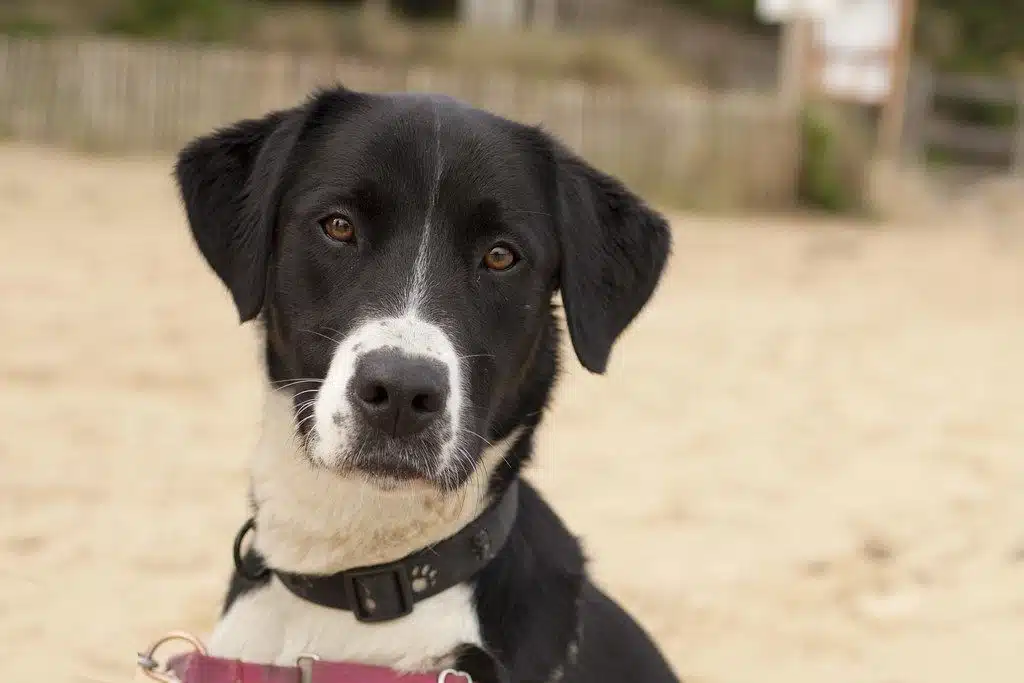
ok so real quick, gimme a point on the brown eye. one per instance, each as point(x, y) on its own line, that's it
point(338, 228)
point(500, 257)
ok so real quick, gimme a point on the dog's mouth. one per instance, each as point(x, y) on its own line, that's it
point(391, 474)
point(402, 459)
point(435, 457)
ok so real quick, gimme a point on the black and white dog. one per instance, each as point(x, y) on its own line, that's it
point(401, 253)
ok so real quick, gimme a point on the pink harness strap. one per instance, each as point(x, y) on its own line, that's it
point(199, 668)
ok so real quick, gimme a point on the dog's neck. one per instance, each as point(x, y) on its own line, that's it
point(315, 521)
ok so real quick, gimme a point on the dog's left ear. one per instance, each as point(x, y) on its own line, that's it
point(614, 248)
point(229, 183)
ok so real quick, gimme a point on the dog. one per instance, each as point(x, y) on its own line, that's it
point(401, 255)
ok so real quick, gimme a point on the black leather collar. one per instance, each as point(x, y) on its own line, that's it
point(385, 592)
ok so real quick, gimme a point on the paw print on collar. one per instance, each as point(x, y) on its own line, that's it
point(423, 577)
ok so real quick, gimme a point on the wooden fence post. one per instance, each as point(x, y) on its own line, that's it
point(1018, 151)
point(894, 109)
point(920, 101)
point(796, 44)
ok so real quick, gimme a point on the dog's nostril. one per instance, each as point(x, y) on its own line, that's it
point(426, 403)
point(398, 394)
point(374, 394)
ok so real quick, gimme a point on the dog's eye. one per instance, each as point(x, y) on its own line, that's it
point(500, 257)
point(338, 227)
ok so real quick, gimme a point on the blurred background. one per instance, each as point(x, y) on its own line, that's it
point(805, 461)
point(730, 104)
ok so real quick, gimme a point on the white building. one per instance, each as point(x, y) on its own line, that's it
point(519, 13)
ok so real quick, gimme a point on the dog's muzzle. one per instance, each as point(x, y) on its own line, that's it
point(392, 400)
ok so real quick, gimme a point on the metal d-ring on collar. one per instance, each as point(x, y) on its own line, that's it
point(153, 669)
point(261, 571)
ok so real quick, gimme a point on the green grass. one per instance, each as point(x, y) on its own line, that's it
point(191, 20)
point(836, 158)
point(26, 27)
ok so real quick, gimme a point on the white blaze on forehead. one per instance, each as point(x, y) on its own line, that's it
point(408, 333)
point(418, 287)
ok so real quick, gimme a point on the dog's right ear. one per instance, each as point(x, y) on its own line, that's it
point(614, 250)
point(229, 182)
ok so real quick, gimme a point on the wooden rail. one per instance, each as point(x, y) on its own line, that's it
point(998, 146)
point(692, 147)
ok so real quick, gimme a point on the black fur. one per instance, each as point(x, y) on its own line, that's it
point(230, 183)
point(251, 192)
point(482, 666)
point(611, 266)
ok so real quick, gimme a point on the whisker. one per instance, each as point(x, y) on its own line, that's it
point(297, 432)
point(333, 331)
point(309, 441)
point(526, 211)
point(285, 383)
point(477, 484)
point(303, 420)
point(328, 338)
point(471, 432)
point(304, 406)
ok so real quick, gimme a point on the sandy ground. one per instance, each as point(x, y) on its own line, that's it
point(806, 463)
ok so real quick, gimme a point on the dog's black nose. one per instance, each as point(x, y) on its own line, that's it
point(397, 393)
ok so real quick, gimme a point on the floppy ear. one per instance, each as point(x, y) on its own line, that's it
point(229, 182)
point(614, 248)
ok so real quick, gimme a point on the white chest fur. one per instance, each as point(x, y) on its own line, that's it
point(311, 520)
point(270, 625)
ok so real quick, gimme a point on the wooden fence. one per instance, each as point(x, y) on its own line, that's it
point(696, 148)
point(933, 125)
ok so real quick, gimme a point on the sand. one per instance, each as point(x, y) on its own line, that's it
point(806, 462)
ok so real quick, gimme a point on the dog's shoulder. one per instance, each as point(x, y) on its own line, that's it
point(528, 597)
point(612, 646)
point(541, 614)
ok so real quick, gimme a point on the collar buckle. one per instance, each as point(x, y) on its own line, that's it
point(380, 593)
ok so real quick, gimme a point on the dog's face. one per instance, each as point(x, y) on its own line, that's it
point(404, 251)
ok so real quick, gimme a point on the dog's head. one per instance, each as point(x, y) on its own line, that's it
point(403, 252)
